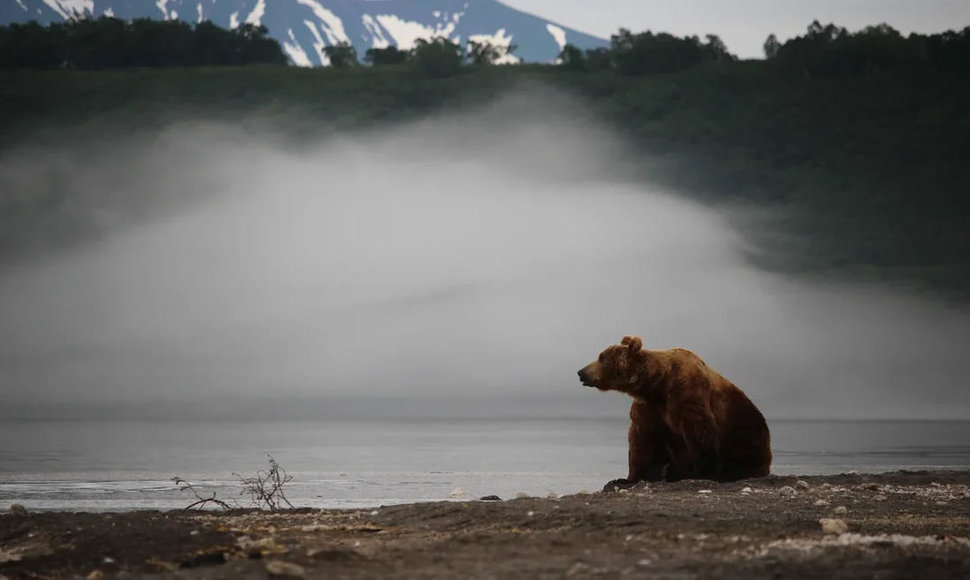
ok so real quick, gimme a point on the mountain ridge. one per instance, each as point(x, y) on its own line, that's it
point(305, 27)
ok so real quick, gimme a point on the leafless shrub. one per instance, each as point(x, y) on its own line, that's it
point(202, 501)
point(266, 487)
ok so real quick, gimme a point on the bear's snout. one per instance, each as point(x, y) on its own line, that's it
point(588, 376)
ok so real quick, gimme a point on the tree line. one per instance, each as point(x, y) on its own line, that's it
point(106, 42)
point(435, 57)
point(833, 51)
point(823, 51)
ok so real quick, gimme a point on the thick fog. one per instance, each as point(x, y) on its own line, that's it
point(483, 255)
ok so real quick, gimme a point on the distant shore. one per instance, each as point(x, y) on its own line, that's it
point(894, 525)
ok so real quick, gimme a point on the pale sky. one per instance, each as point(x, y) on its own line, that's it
point(745, 25)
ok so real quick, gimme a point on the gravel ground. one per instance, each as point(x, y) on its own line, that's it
point(896, 525)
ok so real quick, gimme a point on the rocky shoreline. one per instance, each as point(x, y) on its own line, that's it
point(894, 525)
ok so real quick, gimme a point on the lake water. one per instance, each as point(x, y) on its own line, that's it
point(120, 465)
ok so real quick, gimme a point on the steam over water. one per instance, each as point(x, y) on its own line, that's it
point(487, 255)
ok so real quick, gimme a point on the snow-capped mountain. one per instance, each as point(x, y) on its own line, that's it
point(305, 27)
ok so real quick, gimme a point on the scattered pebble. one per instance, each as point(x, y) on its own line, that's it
point(821, 503)
point(644, 563)
point(787, 491)
point(833, 526)
point(95, 575)
point(941, 503)
point(880, 497)
point(802, 485)
point(705, 491)
point(551, 495)
point(457, 492)
point(374, 512)
point(280, 569)
point(194, 533)
point(841, 510)
point(746, 490)
point(530, 514)
point(18, 509)
point(108, 560)
point(870, 486)
point(826, 486)
point(521, 495)
point(577, 568)
point(490, 498)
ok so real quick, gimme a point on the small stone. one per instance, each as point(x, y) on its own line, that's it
point(833, 526)
point(490, 498)
point(374, 512)
point(787, 491)
point(577, 568)
point(870, 486)
point(941, 503)
point(821, 503)
point(457, 492)
point(826, 486)
point(746, 490)
point(521, 495)
point(95, 575)
point(18, 509)
point(704, 491)
point(108, 560)
point(841, 510)
point(644, 563)
point(530, 514)
point(802, 485)
point(281, 569)
point(551, 495)
point(881, 497)
point(194, 533)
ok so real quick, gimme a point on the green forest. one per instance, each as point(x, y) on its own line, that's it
point(854, 142)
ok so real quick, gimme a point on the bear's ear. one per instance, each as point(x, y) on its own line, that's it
point(634, 343)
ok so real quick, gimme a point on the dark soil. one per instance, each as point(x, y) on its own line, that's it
point(898, 525)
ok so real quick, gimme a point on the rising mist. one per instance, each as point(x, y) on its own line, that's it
point(482, 255)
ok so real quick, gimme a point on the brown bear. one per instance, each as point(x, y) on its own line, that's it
point(687, 421)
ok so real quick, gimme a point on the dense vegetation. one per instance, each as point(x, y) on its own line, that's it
point(88, 43)
point(860, 166)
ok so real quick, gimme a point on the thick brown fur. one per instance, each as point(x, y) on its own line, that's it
point(687, 421)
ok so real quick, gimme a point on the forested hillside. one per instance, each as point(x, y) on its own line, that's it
point(854, 143)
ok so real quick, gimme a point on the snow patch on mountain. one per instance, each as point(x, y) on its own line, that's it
point(378, 40)
point(558, 34)
point(319, 44)
point(234, 21)
point(162, 6)
point(199, 12)
point(295, 51)
point(68, 8)
point(331, 24)
point(256, 16)
point(22, 5)
point(406, 32)
point(498, 40)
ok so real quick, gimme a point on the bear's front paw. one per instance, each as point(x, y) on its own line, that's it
point(617, 485)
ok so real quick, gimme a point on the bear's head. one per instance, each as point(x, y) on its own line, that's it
point(618, 368)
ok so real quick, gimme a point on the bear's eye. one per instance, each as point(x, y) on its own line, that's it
point(601, 358)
